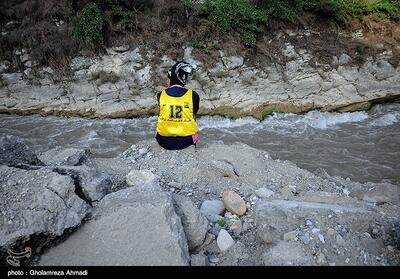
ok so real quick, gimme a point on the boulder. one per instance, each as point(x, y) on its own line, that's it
point(264, 193)
point(234, 203)
point(277, 217)
point(194, 223)
point(36, 203)
point(137, 178)
point(92, 185)
point(64, 156)
point(14, 152)
point(133, 226)
point(212, 207)
point(116, 168)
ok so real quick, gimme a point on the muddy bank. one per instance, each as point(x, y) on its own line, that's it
point(219, 205)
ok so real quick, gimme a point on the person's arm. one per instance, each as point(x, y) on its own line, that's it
point(196, 102)
point(158, 97)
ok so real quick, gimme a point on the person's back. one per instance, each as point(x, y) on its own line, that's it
point(177, 127)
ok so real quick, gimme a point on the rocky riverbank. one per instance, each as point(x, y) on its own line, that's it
point(124, 81)
point(217, 205)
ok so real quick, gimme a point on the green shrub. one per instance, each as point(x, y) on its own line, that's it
point(121, 14)
point(238, 15)
point(90, 25)
point(344, 10)
point(282, 9)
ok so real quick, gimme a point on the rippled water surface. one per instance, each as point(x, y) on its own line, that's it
point(364, 146)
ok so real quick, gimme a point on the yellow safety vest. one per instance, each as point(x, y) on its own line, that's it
point(176, 118)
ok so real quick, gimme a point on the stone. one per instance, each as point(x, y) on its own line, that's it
point(14, 152)
point(133, 226)
point(199, 260)
point(287, 254)
point(264, 193)
point(234, 203)
point(39, 203)
point(224, 240)
point(122, 48)
point(236, 227)
point(91, 184)
point(212, 207)
point(276, 217)
point(233, 62)
point(194, 223)
point(344, 59)
point(64, 156)
point(140, 177)
point(116, 168)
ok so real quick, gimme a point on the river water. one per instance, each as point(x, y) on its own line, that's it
point(364, 146)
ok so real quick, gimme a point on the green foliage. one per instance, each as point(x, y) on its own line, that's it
point(344, 10)
point(238, 15)
point(90, 25)
point(283, 9)
point(120, 14)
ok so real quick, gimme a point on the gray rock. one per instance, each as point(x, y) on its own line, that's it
point(212, 207)
point(194, 223)
point(276, 217)
point(344, 59)
point(214, 218)
point(199, 260)
point(81, 62)
point(224, 240)
point(287, 254)
point(233, 62)
point(92, 185)
point(264, 193)
point(64, 156)
point(140, 177)
point(37, 202)
point(14, 152)
point(134, 226)
point(116, 168)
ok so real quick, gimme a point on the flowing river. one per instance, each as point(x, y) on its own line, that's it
point(364, 146)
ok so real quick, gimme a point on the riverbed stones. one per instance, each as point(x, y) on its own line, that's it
point(140, 177)
point(194, 223)
point(224, 240)
point(14, 152)
point(133, 226)
point(38, 203)
point(234, 203)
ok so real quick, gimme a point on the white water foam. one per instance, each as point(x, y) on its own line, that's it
point(386, 120)
point(218, 122)
point(315, 119)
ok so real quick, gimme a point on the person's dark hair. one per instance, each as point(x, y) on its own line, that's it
point(180, 72)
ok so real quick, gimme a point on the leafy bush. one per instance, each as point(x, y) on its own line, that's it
point(239, 15)
point(90, 25)
point(344, 10)
point(282, 9)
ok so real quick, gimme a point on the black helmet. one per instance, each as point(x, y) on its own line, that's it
point(180, 72)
